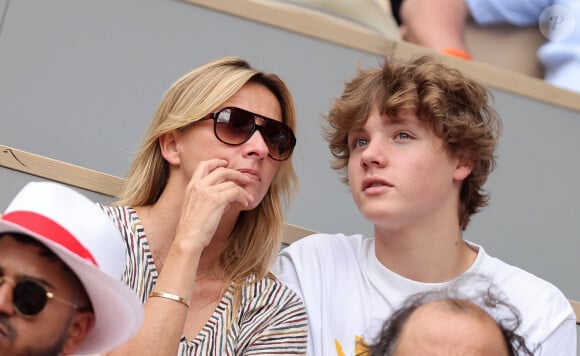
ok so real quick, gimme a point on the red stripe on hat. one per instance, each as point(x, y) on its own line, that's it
point(50, 230)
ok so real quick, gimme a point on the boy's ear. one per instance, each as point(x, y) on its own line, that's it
point(463, 168)
point(79, 328)
point(169, 148)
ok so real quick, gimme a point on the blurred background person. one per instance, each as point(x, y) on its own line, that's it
point(441, 25)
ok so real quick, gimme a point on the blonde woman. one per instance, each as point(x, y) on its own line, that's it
point(201, 213)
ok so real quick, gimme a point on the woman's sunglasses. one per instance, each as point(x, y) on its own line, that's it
point(234, 126)
point(30, 297)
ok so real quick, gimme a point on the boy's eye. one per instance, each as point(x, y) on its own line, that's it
point(360, 142)
point(403, 135)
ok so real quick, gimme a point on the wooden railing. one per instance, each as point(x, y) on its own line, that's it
point(89, 179)
point(333, 29)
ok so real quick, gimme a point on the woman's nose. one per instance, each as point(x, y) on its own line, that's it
point(256, 146)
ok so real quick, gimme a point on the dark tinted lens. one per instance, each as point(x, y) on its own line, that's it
point(234, 126)
point(29, 297)
point(279, 138)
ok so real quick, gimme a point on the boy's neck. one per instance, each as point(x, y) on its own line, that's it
point(424, 256)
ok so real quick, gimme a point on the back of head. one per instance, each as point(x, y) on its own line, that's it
point(451, 327)
point(489, 321)
point(456, 107)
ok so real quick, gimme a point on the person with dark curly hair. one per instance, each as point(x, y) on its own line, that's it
point(441, 25)
point(415, 141)
point(446, 322)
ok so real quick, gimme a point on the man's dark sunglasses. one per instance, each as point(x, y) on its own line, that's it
point(234, 126)
point(30, 297)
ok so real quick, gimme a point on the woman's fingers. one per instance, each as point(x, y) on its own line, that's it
point(212, 190)
point(206, 167)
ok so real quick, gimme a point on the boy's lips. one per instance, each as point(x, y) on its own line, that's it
point(375, 182)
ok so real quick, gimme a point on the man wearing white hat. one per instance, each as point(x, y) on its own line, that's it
point(61, 262)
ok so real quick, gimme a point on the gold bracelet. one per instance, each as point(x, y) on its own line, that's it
point(184, 301)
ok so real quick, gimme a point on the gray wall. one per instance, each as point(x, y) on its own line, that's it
point(79, 81)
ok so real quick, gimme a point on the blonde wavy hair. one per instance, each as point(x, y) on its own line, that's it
point(457, 108)
point(257, 236)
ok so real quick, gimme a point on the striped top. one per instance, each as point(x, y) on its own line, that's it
point(271, 319)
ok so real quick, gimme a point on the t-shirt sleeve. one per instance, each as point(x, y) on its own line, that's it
point(515, 12)
point(562, 341)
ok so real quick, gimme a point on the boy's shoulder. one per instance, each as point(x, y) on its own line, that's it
point(513, 277)
point(323, 252)
point(529, 292)
point(326, 244)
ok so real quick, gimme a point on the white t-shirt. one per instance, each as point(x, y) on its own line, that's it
point(349, 294)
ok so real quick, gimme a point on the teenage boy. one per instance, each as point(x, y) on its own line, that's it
point(415, 143)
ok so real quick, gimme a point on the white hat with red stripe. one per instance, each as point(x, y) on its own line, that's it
point(87, 240)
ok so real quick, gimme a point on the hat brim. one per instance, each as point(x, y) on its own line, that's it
point(117, 309)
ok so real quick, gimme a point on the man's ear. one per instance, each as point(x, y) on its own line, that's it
point(80, 326)
point(169, 148)
point(463, 168)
